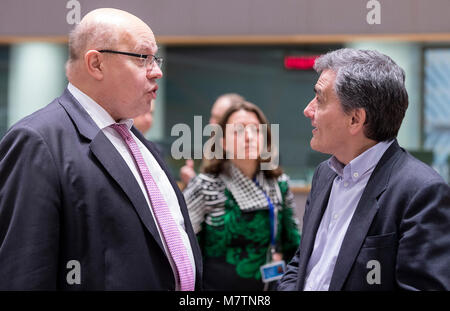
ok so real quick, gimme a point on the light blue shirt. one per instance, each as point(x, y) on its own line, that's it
point(347, 189)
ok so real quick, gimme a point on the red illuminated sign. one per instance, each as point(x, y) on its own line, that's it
point(300, 62)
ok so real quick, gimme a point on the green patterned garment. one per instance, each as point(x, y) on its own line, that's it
point(243, 239)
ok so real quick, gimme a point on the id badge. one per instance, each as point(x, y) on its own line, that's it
point(272, 271)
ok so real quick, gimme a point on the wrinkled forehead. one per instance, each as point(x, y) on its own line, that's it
point(139, 39)
point(325, 81)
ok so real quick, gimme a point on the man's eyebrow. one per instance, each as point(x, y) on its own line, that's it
point(141, 47)
point(317, 91)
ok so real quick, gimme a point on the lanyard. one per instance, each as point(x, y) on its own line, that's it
point(271, 215)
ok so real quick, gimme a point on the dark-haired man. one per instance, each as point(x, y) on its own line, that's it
point(376, 218)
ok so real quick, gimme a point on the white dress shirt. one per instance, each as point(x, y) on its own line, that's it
point(103, 120)
point(347, 189)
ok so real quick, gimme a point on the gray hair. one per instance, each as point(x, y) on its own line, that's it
point(372, 81)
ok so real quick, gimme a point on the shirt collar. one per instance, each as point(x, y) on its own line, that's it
point(362, 164)
point(100, 116)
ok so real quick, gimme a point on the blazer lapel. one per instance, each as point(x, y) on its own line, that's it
point(111, 160)
point(362, 219)
point(84, 124)
point(317, 205)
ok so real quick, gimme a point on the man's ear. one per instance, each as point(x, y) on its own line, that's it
point(93, 61)
point(357, 120)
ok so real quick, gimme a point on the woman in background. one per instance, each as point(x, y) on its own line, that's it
point(243, 216)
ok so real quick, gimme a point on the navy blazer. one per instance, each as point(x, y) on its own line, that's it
point(402, 221)
point(67, 194)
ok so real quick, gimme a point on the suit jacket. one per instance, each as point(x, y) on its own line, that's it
point(402, 221)
point(67, 194)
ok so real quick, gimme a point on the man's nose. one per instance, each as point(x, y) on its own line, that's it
point(154, 72)
point(309, 110)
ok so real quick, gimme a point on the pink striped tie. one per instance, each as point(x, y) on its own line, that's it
point(162, 213)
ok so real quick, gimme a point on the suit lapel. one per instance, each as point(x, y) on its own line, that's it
point(111, 160)
point(318, 204)
point(354, 237)
point(84, 124)
point(114, 164)
point(362, 219)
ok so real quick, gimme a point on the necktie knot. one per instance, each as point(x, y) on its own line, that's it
point(122, 129)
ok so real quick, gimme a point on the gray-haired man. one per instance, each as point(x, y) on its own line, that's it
point(376, 218)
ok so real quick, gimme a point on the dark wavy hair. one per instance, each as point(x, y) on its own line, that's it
point(370, 80)
point(217, 166)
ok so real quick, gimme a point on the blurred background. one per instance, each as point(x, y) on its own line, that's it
point(257, 48)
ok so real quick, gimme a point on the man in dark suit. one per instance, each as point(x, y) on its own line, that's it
point(376, 218)
point(86, 203)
